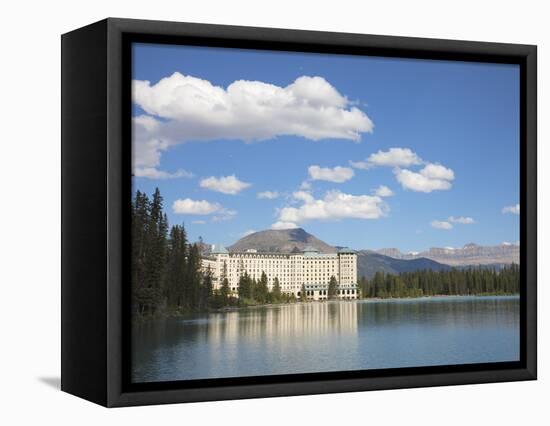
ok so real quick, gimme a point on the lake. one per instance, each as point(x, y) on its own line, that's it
point(328, 336)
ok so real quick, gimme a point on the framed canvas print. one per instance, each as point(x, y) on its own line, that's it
point(252, 212)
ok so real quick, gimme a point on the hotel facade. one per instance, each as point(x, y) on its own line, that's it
point(309, 269)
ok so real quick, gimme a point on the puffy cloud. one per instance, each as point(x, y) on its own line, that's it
point(335, 205)
point(441, 224)
point(154, 173)
point(268, 195)
point(303, 196)
point(383, 191)
point(430, 178)
point(284, 225)
point(511, 209)
point(225, 184)
point(394, 157)
point(465, 220)
point(437, 172)
point(146, 147)
point(190, 108)
point(433, 177)
point(337, 174)
point(200, 207)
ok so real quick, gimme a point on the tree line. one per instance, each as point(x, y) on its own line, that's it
point(167, 275)
point(166, 269)
point(469, 281)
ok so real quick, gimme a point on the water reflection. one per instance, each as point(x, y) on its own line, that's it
point(330, 336)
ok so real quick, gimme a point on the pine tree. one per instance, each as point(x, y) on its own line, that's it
point(193, 281)
point(140, 222)
point(332, 287)
point(244, 287)
point(303, 296)
point(207, 290)
point(262, 290)
point(276, 291)
point(176, 267)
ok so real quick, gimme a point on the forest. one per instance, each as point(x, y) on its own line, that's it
point(167, 277)
point(166, 272)
point(455, 282)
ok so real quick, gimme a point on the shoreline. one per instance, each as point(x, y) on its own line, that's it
point(272, 305)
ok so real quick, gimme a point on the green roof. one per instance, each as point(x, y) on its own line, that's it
point(346, 250)
point(219, 249)
point(310, 249)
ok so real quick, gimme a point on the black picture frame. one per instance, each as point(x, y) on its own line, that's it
point(96, 173)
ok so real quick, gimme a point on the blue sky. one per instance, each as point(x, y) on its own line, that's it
point(323, 133)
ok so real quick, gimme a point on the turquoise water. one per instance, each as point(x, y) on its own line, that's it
point(333, 336)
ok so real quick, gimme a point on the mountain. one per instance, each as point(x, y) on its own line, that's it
point(370, 262)
point(470, 254)
point(281, 241)
point(389, 260)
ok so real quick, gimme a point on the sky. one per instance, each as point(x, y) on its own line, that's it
point(363, 152)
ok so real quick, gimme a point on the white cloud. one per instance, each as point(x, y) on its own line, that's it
point(199, 222)
point(224, 215)
point(433, 177)
point(511, 209)
point(337, 174)
point(246, 233)
point(383, 191)
point(305, 185)
point(225, 184)
point(303, 196)
point(437, 172)
point(154, 173)
point(268, 195)
point(146, 147)
point(284, 225)
point(364, 165)
point(440, 224)
point(465, 220)
point(191, 108)
point(394, 157)
point(200, 207)
point(335, 205)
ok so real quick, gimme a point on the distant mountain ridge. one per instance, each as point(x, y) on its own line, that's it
point(389, 260)
point(292, 240)
point(470, 254)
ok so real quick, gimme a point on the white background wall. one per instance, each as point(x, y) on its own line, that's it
point(30, 200)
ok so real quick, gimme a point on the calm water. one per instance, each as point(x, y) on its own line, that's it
point(319, 337)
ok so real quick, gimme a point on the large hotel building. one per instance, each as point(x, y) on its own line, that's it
point(308, 268)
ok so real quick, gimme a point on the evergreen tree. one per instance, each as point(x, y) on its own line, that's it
point(140, 222)
point(303, 296)
point(244, 287)
point(207, 290)
point(276, 291)
point(176, 267)
point(332, 287)
point(224, 289)
point(262, 291)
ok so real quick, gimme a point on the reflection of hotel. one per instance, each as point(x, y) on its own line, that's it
point(308, 268)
